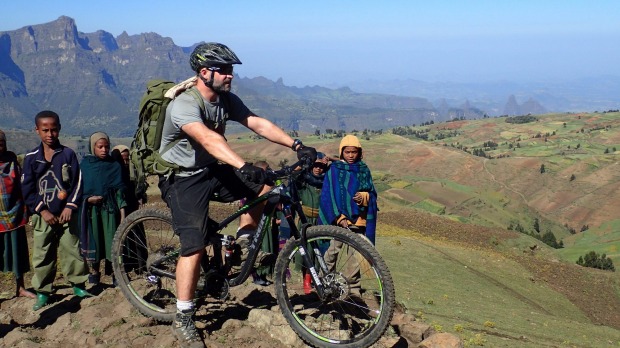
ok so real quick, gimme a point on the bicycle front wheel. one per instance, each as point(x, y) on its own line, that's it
point(358, 292)
point(144, 258)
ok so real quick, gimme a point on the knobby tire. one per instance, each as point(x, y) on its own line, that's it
point(146, 235)
point(361, 306)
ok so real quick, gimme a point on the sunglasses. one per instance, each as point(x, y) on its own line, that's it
point(222, 70)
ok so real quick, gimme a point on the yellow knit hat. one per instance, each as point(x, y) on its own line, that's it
point(350, 140)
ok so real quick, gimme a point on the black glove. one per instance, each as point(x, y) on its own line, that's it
point(252, 173)
point(308, 152)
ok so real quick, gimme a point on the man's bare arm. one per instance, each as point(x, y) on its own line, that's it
point(268, 130)
point(213, 142)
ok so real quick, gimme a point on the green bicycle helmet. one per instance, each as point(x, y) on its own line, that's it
point(212, 54)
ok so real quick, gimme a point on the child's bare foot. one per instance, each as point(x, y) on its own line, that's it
point(22, 292)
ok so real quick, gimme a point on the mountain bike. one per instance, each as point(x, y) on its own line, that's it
point(350, 300)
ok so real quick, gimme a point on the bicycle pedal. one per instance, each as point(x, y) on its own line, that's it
point(153, 279)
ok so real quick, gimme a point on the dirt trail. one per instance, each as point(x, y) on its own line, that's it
point(501, 184)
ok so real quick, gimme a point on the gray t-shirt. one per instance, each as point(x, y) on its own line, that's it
point(183, 110)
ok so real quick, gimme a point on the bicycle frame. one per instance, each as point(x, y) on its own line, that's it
point(292, 206)
point(282, 194)
point(272, 198)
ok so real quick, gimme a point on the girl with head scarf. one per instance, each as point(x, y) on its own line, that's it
point(103, 204)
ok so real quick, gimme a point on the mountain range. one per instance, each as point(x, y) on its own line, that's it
point(95, 81)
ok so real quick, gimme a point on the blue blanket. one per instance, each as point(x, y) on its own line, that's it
point(342, 181)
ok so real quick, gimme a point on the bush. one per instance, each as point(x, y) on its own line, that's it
point(549, 239)
point(593, 260)
point(521, 119)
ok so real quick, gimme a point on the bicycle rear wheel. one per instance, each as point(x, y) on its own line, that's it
point(359, 301)
point(144, 258)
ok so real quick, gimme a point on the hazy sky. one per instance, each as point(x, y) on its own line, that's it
point(331, 42)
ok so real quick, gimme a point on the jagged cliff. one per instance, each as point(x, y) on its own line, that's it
point(91, 80)
point(95, 81)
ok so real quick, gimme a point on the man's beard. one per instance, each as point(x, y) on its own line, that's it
point(221, 87)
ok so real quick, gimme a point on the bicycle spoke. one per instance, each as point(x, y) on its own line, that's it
point(355, 297)
point(138, 246)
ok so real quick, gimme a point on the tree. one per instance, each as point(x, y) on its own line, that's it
point(542, 168)
point(593, 260)
point(572, 177)
point(549, 239)
point(536, 225)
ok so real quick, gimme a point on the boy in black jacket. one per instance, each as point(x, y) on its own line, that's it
point(52, 186)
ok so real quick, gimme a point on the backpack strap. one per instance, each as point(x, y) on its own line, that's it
point(167, 166)
point(201, 104)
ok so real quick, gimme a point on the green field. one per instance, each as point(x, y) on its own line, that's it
point(485, 298)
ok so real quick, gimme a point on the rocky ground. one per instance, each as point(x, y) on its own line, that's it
point(249, 318)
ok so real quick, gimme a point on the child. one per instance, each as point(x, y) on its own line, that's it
point(52, 186)
point(309, 190)
point(134, 199)
point(103, 204)
point(13, 218)
point(348, 200)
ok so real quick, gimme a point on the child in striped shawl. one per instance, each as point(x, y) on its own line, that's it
point(349, 200)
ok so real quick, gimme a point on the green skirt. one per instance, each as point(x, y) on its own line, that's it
point(14, 252)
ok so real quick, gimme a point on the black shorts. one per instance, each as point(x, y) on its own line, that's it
point(188, 199)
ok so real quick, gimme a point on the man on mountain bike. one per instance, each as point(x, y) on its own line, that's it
point(209, 168)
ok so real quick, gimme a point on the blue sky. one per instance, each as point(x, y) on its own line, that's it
point(333, 42)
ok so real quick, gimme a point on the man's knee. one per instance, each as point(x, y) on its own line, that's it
point(192, 252)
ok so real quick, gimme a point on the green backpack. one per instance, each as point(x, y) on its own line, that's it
point(144, 151)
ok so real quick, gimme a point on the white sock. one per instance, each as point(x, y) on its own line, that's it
point(185, 305)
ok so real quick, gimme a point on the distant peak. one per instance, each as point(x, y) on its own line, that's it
point(66, 20)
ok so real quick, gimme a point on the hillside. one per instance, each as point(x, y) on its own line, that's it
point(577, 191)
point(497, 288)
point(560, 168)
point(442, 230)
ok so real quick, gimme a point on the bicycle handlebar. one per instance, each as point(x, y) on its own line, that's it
point(303, 164)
